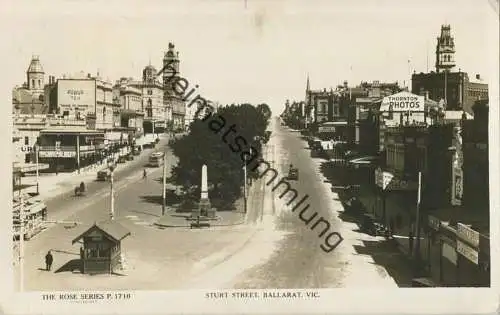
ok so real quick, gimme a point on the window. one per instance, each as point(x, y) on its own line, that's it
point(66, 113)
point(39, 83)
point(26, 140)
point(150, 92)
point(32, 82)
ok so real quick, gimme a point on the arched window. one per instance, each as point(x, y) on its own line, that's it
point(32, 82)
point(39, 83)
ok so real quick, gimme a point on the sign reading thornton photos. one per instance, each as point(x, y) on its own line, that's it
point(403, 102)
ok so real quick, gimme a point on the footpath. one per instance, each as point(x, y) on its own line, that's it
point(52, 185)
point(400, 207)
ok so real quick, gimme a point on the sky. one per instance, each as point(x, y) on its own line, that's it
point(261, 51)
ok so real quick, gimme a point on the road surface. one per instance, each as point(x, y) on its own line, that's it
point(273, 249)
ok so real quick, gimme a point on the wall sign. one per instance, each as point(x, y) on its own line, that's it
point(468, 252)
point(468, 234)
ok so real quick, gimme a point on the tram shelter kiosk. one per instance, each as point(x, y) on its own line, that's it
point(101, 247)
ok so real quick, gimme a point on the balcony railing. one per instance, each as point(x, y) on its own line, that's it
point(73, 148)
point(60, 148)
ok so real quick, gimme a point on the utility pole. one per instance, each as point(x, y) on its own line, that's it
point(21, 242)
point(112, 213)
point(417, 243)
point(163, 205)
point(37, 173)
point(245, 185)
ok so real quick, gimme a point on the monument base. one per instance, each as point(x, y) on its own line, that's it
point(204, 207)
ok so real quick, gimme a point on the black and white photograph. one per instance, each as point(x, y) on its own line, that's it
point(251, 151)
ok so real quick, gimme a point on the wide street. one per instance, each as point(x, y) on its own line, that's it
point(273, 249)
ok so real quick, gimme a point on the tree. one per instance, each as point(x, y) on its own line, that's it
point(211, 142)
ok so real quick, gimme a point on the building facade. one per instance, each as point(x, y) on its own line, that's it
point(455, 89)
point(172, 99)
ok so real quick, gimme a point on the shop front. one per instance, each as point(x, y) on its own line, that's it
point(473, 264)
point(391, 185)
point(458, 256)
point(67, 150)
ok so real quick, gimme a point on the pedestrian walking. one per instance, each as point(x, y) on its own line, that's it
point(48, 261)
point(144, 174)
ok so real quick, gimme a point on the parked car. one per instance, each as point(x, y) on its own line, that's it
point(293, 174)
point(103, 175)
point(366, 161)
point(351, 154)
point(129, 157)
point(121, 159)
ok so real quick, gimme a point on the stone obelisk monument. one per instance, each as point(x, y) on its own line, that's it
point(204, 209)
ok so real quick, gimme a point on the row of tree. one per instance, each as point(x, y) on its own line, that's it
point(292, 115)
point(221, 141)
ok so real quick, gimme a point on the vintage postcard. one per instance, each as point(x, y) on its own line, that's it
point(250, 156)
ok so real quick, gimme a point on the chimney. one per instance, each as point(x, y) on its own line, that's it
point(478, 77)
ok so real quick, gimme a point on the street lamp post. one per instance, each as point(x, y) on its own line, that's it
point(164, 194)
point(245, 186)
point(111, 167)
point(417, 247)
point(37, 173)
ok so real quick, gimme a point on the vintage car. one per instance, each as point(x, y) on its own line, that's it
point(103, 175)
point(293, 174)
point(121, 159)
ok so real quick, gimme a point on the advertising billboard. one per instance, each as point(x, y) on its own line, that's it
point(403, 102)
point(76, 95)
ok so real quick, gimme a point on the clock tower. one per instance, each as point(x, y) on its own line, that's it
point(445, 50)
point(172, 100)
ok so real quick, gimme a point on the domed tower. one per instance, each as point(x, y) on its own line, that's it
point(149, 74)
point(35, 75)
point(445, 50)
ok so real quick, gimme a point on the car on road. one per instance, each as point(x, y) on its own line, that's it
point(121, 159)
point(103, 175)
point(365, 161)
point(129, 157)
point(293, 174)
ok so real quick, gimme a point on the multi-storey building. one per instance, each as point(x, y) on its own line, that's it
point(363, 114)
point(454, 88)
point(172, 99)
point(129, 95)
point(156, 112)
